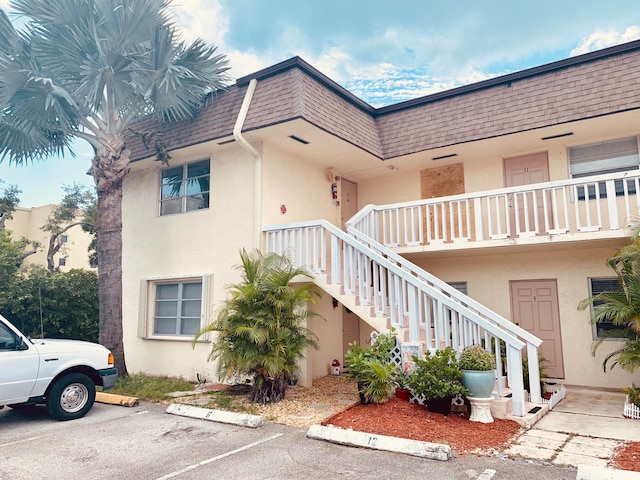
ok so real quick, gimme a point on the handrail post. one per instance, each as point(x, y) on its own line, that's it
point(335, 260)
point(534, 374)
point(514, 367)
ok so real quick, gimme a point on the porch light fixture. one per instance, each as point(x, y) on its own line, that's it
point(560, 135)
point(298, 139)
point(442, 157)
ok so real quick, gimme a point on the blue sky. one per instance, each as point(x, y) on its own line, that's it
point(384, 52)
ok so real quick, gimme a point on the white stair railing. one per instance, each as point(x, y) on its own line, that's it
point(411, 299)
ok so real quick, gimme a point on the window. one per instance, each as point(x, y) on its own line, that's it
point(64, 238)
point(600, 285)
point(7, 338)
point(185, 188)
point(460, 286)
point(605, 157)
point(177, 308)
point(62, 262)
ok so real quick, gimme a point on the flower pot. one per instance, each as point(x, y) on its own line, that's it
point(403, 394)
point(479, 382)
point(440, 405)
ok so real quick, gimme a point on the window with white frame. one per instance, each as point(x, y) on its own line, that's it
point(185, 188)
point(177, 308)
point(600, 285)
point(605, 157)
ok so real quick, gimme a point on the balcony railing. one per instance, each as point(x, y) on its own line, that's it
point(589, 207)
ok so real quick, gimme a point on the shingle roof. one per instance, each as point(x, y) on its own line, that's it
point(595, 84)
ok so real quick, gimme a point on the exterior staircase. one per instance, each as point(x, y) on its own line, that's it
point(386, 290)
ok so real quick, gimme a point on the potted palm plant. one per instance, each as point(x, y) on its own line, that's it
point(478, 371)
point(437, 378)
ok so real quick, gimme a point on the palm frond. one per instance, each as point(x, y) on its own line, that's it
point(88, 68)
point(260, 328)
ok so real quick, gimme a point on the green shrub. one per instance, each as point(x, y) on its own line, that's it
point(437, 376)
point(475, 357)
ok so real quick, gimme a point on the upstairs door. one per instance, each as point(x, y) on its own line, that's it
point(526, 170)
point(534, 305)
point(348, 201)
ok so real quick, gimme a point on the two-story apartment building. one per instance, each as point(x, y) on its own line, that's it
point(28, 223)
point(514, 190)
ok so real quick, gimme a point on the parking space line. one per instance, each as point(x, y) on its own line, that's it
point(219, 457)
point(487, 474)
point(24, 440)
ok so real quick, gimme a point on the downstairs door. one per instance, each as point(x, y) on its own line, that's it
point(534, 306)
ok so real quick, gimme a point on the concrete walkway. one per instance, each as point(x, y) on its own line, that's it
point(582, 431)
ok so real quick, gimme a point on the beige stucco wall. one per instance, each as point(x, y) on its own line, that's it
point(394, 188)
point(204, 242)
point(328, 328)
point(488, 280)
point(300, 185)
point(207, 242)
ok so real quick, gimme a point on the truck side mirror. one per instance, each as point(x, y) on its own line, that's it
point(21, 344)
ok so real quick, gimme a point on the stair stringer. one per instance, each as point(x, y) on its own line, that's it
point(351, 301)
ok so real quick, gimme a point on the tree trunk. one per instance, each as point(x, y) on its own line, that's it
point(268, 389)
point(108, 171)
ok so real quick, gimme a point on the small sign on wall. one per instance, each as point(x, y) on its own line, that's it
point(407, 351)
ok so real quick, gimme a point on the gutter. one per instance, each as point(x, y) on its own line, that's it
point(237, 134)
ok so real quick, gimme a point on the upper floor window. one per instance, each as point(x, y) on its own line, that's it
point(185, 188)
point(605, 157)
point(64, 238)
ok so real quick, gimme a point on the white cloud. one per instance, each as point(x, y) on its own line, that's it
point(201, 19)
point(600, 40)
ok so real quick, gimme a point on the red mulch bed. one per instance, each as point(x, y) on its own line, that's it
point(398, 418)
point(628, 457)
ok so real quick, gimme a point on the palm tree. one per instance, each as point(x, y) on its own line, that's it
point(621, 308)
point(88, 69)
point(260, 328)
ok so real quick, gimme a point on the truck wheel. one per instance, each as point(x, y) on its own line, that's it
point(71, 397)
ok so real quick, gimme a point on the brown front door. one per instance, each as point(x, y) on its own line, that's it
point(534, 305)
point(526, 170)
point(348, 200)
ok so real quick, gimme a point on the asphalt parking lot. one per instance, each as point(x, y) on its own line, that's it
point(144, 442)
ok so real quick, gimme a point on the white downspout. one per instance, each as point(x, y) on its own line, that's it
point(237, 134)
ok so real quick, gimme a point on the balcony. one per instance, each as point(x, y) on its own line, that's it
point(589, 208)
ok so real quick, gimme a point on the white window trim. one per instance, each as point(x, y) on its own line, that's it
point(147, 306)
point(182, 198)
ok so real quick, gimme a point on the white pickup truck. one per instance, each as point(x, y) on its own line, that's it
point(62, 374)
